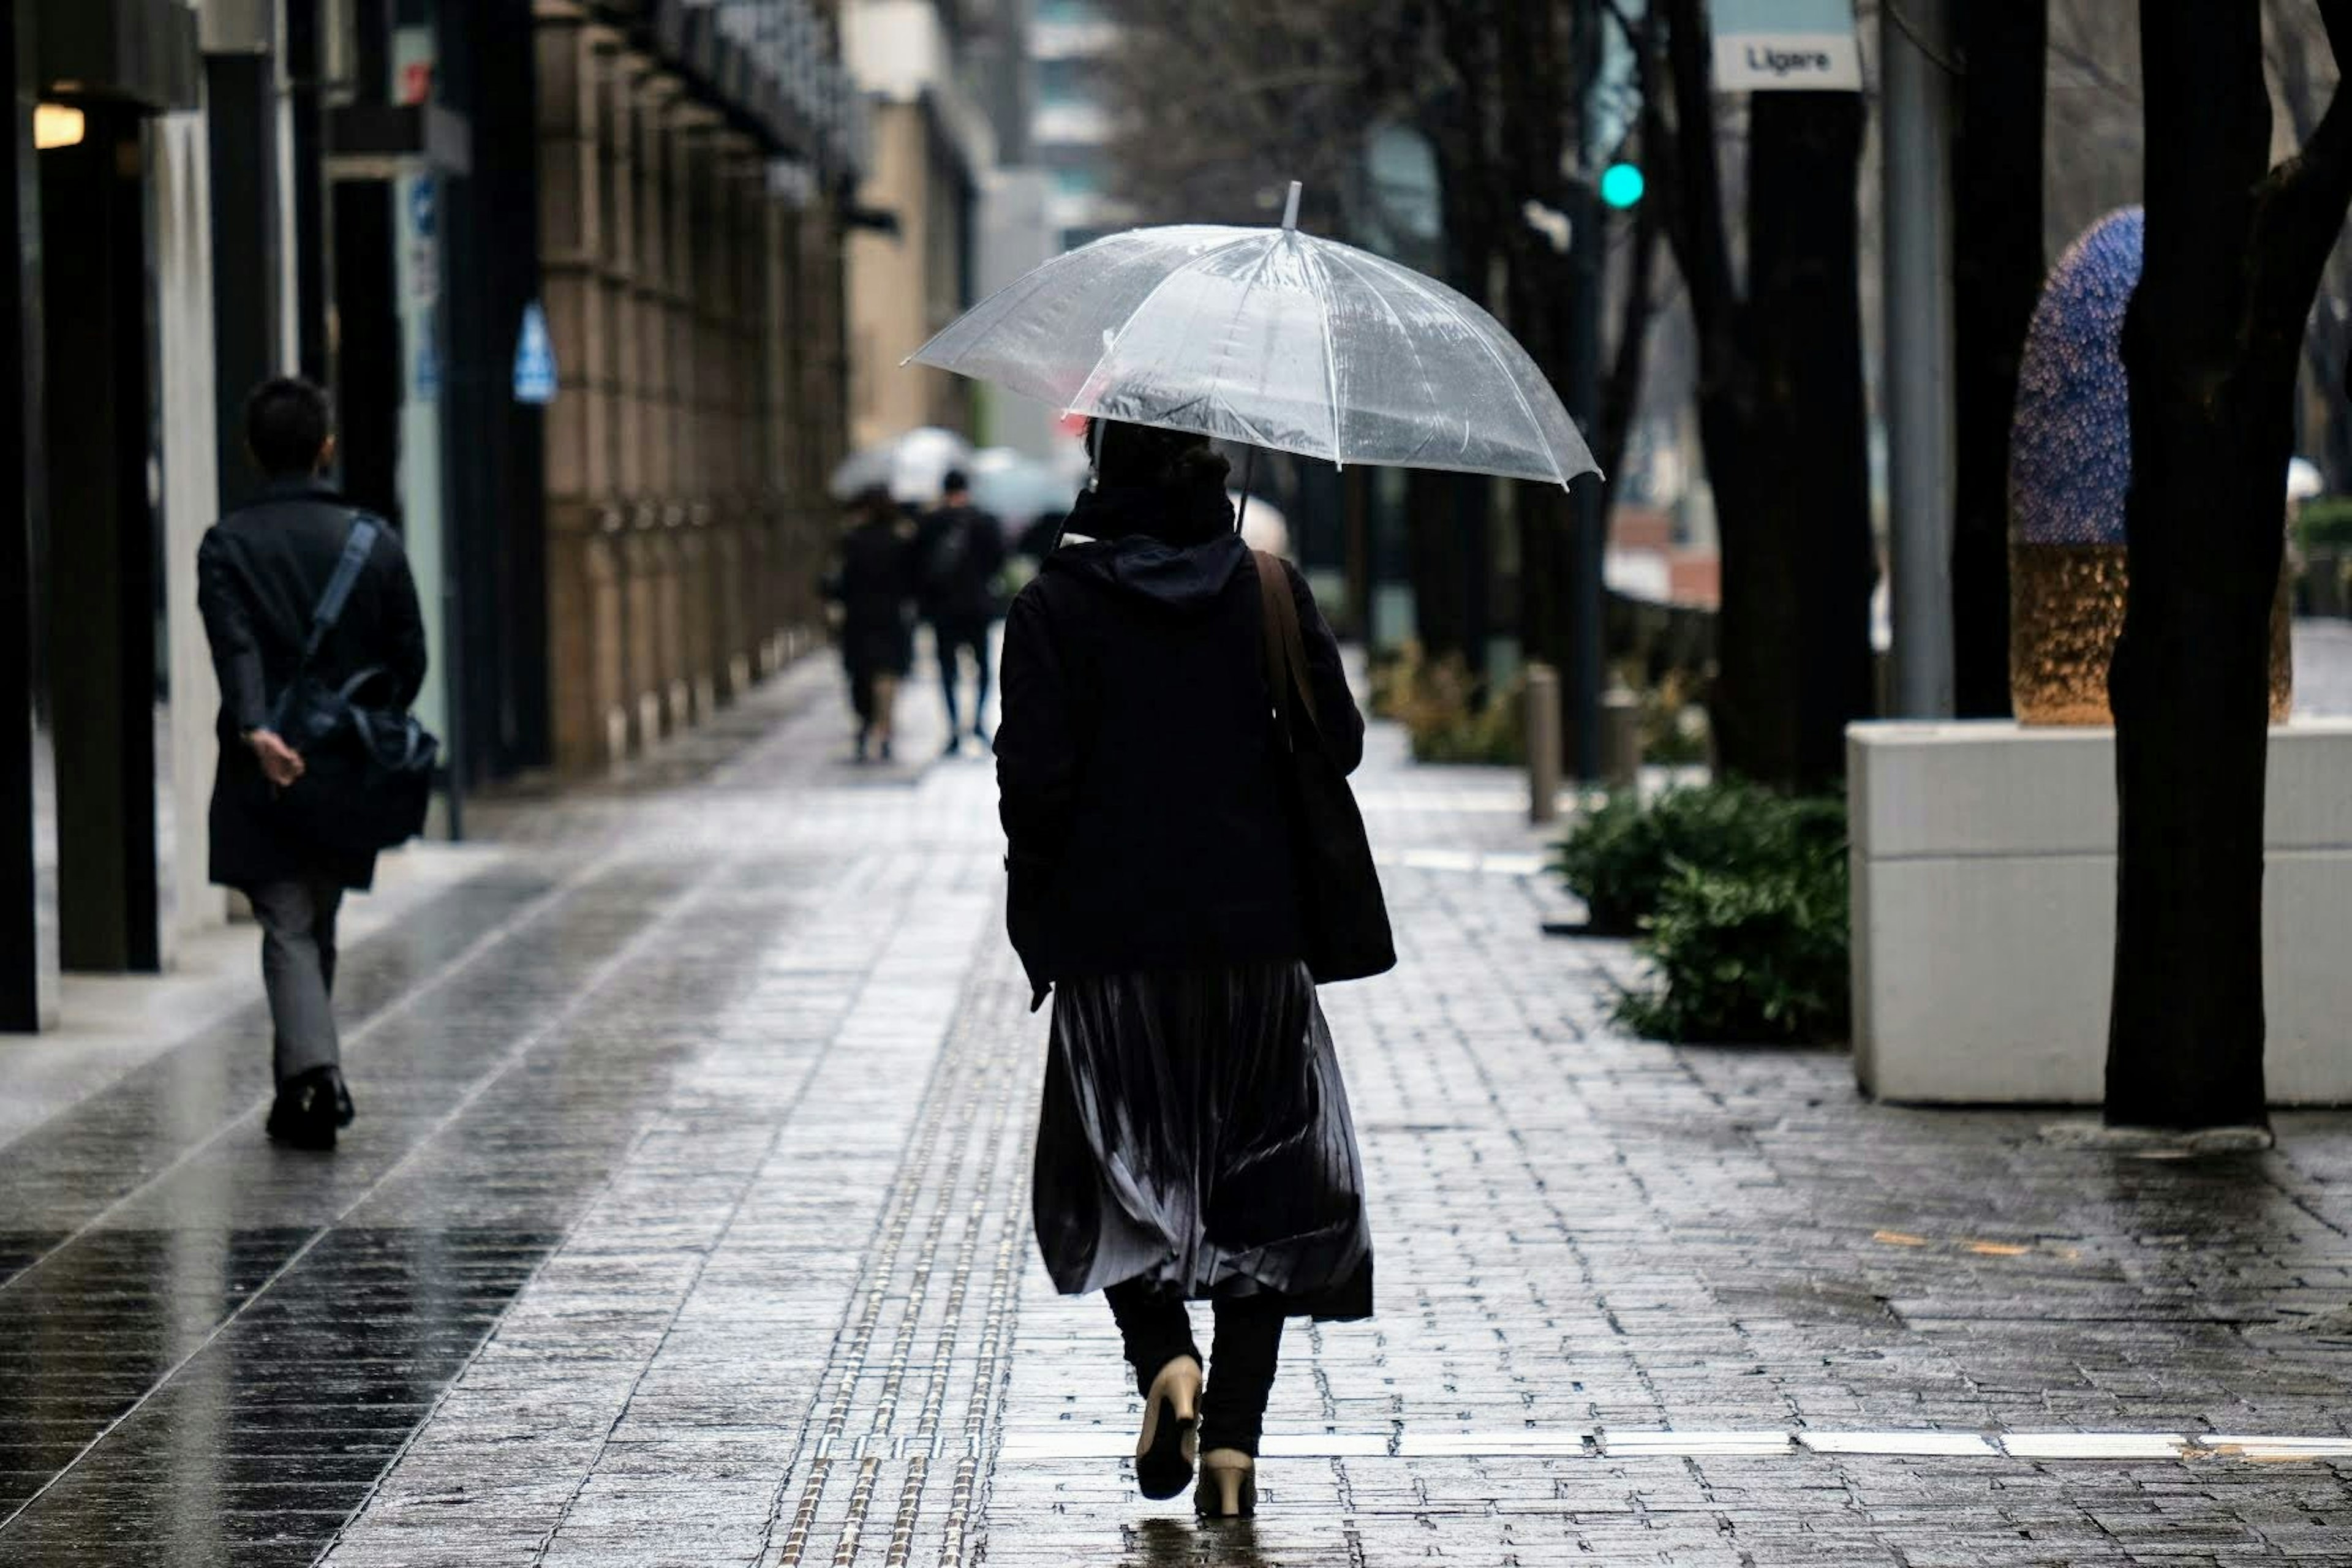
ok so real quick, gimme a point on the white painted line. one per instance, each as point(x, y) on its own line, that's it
point(1922, 1445)
point(1325, 1446)
point(2238, 1446)
point(1513, 864)
point(1628, 1445)
point(1440, 860)
point(1493, 1444)
point(2095, 1445)
point(1103, 1443)
point(1068, 1444)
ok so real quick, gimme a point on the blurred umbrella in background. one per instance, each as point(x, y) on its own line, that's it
point(1019, 488)
point(910, 466)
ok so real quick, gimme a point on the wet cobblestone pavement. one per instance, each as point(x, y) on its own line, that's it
point(685, 1223)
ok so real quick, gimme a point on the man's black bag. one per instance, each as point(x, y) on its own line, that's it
point(367, 770)
point(1346, 918)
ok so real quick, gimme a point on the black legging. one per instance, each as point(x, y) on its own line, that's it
point(955, 636)
point(1157, 1329)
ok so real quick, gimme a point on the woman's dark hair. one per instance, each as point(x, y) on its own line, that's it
point(1146, 456)
point(286, 423)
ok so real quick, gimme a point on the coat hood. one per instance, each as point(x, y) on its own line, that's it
point(1167, 548)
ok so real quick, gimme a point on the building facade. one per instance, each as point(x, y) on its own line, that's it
point(573, 273)
point(1069, 127)
point(913, 261)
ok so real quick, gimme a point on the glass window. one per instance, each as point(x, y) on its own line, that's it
point(1078, 182)
point(1068, 11)
point(1061, 83)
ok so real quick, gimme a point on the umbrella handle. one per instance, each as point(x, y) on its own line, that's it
point(1249, 461)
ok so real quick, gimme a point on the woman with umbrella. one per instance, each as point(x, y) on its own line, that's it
point(1195, 1142)
point(1176, 728)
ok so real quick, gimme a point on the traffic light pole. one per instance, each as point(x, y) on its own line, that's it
point(1920, 416)
point(1587, 240)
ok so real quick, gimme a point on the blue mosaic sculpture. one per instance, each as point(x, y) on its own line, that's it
point(2070, 441)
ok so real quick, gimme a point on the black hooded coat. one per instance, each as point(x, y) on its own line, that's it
point(1137, 761)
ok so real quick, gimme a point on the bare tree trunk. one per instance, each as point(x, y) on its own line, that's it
point(1621, 400)
point(1436, 559)
point(1998, 265)
point(2211, 344)
point(1781, 414)
point(1796, 562)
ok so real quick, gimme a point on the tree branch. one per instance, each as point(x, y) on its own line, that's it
point(2299, 212)
point(1622, 399)
point(1701, 249)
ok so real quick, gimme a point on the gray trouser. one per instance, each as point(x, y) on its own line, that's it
point(298, 965)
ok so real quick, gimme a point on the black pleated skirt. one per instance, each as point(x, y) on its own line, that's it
point(1195, 1134)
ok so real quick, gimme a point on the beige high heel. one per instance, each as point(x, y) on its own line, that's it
point(1228, 1487)
point(1171, 1420)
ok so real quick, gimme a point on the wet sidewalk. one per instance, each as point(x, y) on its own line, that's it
point(685, 1223)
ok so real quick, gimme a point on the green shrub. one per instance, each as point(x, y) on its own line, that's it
point(1754, 956)
point(2325, 522)
point(1621, 857)
point(1450, 714)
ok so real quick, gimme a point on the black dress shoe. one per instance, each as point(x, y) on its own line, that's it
point(344, 1109)
point(305, 1112)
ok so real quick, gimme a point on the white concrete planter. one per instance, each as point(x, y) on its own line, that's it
point(1984, 874)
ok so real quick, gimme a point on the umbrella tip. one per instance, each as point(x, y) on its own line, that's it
point(1290, 207)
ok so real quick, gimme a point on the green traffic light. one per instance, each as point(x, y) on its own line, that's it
point(1621, 185)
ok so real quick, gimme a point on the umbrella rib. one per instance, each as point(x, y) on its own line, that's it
point(1428, 387)
point(1141, 305)
point(1257, 434)
point(1330, 359)
point(1406, 276)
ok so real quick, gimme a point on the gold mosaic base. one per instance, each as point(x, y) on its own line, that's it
point(2066, 609)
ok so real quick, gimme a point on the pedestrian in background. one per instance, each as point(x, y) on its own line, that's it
point(261, 573)
point(1195, 1142)
point(874, 582)
point(960, 549)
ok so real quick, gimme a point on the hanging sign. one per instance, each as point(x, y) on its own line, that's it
point(1786, 46)
point(428, 367)
point(534, 361)
point(424, 252)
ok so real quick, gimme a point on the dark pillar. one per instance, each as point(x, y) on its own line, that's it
point(313, 236)
point(104, 593)
point(240, 103)
point(27, 838)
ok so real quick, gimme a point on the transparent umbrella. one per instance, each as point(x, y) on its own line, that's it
point(1276, 339)
point(910, 466)
point(1017, 488)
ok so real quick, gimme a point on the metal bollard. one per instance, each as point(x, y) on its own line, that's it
point(1543, 743)
point(1620, 737)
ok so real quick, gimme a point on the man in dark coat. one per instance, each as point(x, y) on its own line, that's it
point(960, 549)
point(260, 573)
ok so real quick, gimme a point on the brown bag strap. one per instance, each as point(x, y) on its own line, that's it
point(1286, 648)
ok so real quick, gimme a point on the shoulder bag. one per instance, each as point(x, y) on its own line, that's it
point(1345, 917)
point(367, 770)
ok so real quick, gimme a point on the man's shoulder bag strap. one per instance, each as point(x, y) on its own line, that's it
point(357, 545)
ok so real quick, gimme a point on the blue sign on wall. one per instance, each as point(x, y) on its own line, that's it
point(534, 360)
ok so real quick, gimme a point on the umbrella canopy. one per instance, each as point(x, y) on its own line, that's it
point(1276, 339)
point(1017, 488)
point(910, 466)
